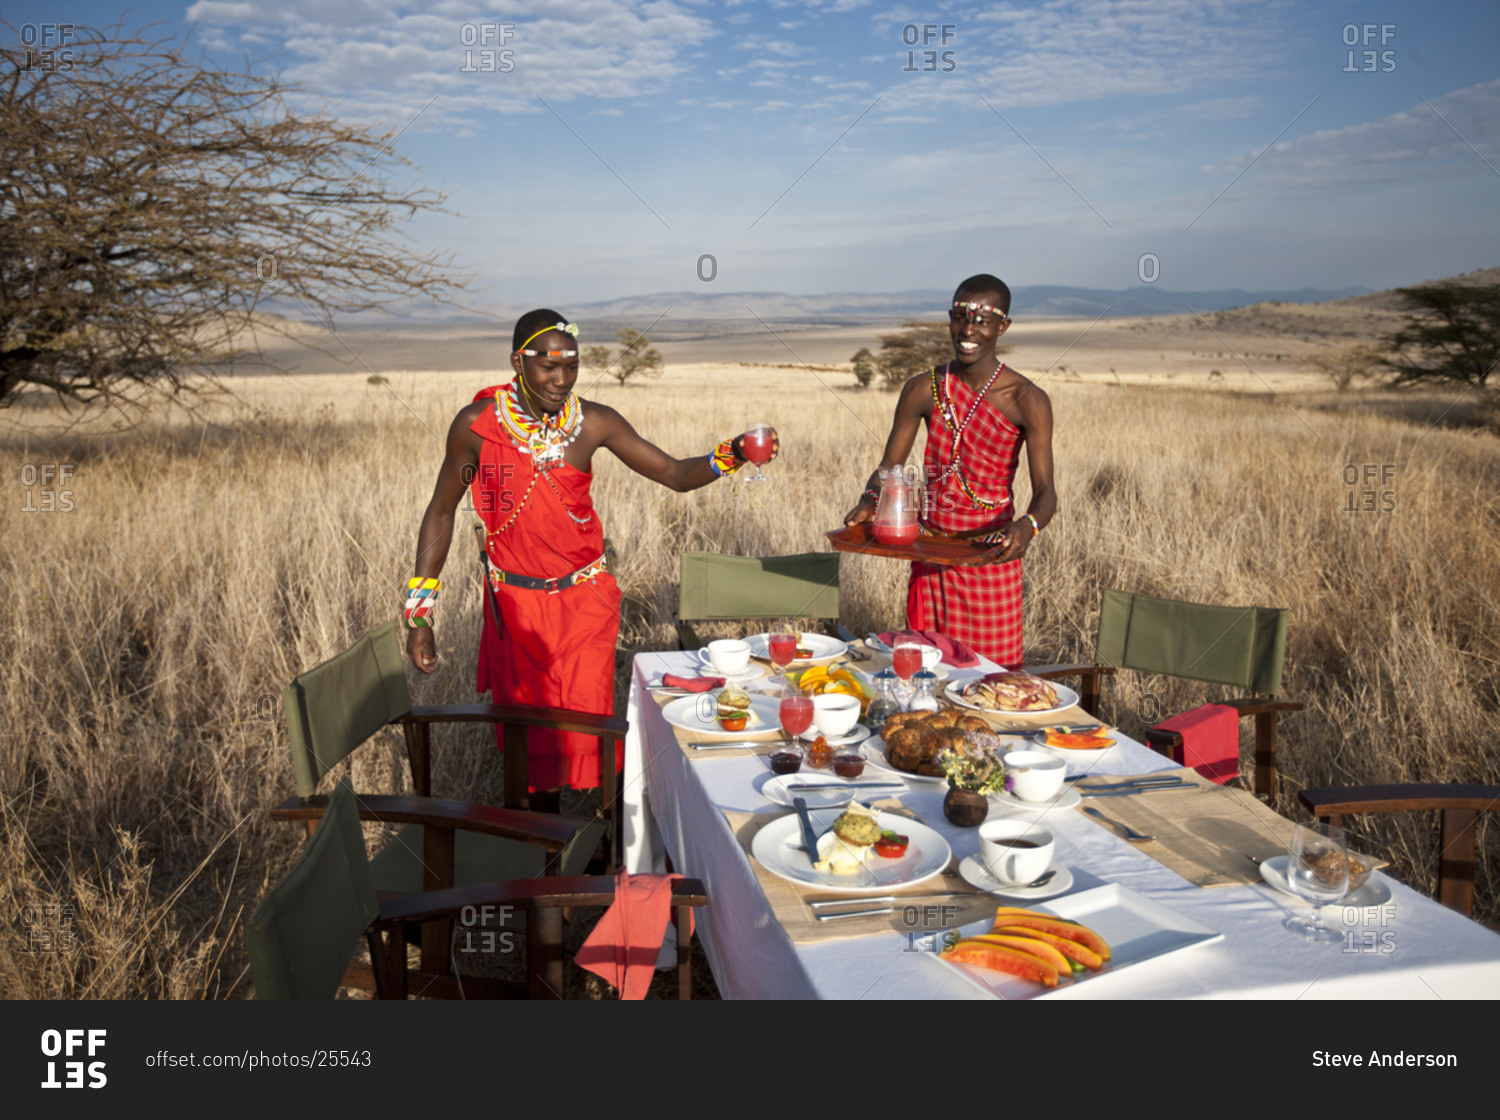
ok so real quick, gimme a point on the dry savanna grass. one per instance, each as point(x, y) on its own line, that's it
point(202, 562)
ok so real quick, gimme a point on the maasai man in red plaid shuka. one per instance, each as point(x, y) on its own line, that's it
point(978, 413)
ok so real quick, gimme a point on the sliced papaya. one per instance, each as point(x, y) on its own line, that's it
point(1069, 931)
point(1081, 956)
point(1002, 958)
point(1074, 742)
point(1036, 946)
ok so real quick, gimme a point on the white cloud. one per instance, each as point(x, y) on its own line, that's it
point(1456, 131)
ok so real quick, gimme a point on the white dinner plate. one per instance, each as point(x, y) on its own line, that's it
point(926, 855)
point(1136, 928)
point(1067, 798)
point(978, 876)
point(839, 793)
point(874, 751)
point(824, 649)
point(1372, 892)
point(687, 712)
point(1066, 698)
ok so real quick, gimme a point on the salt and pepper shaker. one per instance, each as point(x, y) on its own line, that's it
point(924, 692)
point(885, 703)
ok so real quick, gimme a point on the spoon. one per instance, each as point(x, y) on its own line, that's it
point(1130, 833)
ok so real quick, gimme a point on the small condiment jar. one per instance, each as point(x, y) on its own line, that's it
point(786, 760)
point(849, 764)
point(819, 754)
point(885, 703)
point(923, 692)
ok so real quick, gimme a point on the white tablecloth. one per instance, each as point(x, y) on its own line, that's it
point(1409, 948)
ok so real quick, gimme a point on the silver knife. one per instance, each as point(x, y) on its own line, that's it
point(854, 900)
point(1138, 783)
point(875, 643)
point(898, 784)
point(739, 745)
point(1141, 789)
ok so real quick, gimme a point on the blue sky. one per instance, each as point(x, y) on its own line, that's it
point(1241, 144)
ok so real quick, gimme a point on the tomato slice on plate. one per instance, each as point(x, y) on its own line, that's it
point(891, 846)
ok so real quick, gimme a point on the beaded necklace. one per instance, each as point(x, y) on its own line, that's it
point(545, 439)
point(955, 452)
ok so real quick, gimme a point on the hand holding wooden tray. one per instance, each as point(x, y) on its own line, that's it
point(930, 550)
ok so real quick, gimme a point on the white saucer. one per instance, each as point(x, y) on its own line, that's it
point(977, 875)
point(1374, 891)
point(755, 671)
point(854, 738)
point(1067, 798)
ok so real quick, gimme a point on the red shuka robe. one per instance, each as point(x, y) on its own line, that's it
point(553, 650)
point(980, 605)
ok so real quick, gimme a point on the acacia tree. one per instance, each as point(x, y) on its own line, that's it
point(637, 357)
point(150, 206)
point(1453, 335)
point(920, 346)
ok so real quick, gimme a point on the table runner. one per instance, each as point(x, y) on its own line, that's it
point(789, 901)
point(1212, 836)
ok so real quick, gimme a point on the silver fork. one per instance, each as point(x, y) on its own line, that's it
point(1130, 834)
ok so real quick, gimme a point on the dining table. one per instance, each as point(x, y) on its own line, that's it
point(696, 812)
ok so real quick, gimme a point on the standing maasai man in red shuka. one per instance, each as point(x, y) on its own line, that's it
point(978, 413)
point(525, 449)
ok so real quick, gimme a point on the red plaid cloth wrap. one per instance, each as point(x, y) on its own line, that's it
point(979, 605)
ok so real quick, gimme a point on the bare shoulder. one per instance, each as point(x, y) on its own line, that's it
point(601, 416)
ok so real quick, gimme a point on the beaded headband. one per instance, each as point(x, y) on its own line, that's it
point(566, 328)
point(973, 310)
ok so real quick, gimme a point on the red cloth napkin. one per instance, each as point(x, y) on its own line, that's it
point(955, 653)
point(692, 684)
point(1210, 740)
point(626, 943)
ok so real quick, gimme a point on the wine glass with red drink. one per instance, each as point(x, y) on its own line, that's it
point(906, 659)
point(759, 442)
point(796, 713)
point(783, 651)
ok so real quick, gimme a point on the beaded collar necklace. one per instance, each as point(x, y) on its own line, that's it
point(955, 452)
point(544, 438)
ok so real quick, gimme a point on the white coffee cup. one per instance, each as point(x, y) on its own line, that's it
point(931, 656)
point(1015, 851)
point(1035, 775)
point(835, 713)
point(729, 656)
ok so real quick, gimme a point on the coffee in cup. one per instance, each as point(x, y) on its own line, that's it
point(1015, 852)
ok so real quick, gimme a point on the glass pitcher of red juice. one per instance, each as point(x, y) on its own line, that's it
point(896, 511)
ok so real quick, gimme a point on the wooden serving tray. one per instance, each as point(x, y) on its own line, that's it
point(929, 550)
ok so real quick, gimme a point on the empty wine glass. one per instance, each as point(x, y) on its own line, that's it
point(1317, 870)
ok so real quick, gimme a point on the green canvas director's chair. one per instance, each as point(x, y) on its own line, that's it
point(1243, 647)
point(303, 933)
point(714, 587)
point(335, 707)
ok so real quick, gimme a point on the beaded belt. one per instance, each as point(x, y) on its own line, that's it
point(550, 586)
